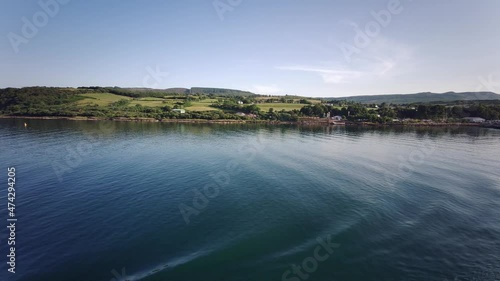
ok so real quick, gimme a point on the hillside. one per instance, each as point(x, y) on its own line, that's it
point(160, 93)
point(149, 92)
point(220, 92)
point(422, 97)
point(166, 91)
point(216, 104)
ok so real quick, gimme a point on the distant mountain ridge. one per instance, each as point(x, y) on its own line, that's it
point(422, 97)
point(220, 91)
point(194, 90)
point(425, 97)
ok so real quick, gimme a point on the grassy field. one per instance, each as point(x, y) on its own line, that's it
point(151, 103)
point(150, 99)
point(280, 106)
point(102, 99)
point(203, 105)
point(295, 100)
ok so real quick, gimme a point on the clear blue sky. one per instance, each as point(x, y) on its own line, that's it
point(270, 47)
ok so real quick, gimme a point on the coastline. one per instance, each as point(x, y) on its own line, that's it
point(231, 121)
point(145, 119)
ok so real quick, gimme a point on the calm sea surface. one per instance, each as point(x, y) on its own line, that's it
point(101, 201)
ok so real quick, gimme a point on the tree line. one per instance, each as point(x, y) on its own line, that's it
point(51, 101)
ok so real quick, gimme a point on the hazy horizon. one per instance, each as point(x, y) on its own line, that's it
point(277, 95)
point(315, 48)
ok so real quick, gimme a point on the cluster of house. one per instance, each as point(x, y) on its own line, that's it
point(467, 119)
point(339, 118)
point(474, 119)
point(247, 115)
point(334, 118)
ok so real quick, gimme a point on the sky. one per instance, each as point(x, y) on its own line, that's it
point(318, 48)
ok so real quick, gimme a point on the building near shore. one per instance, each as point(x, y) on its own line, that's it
point(181, 111)
point(474, 119)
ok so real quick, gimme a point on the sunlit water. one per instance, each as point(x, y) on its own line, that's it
point(102, 201)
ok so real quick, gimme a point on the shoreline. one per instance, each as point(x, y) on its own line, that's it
point(231, 121)
point(145, 119)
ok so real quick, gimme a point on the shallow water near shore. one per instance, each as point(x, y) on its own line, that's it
point(100, 200)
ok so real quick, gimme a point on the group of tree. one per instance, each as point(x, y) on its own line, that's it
point(48, 101)
point(386, 113)
point(232, 105)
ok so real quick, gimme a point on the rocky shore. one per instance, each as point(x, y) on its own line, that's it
point(230, 121)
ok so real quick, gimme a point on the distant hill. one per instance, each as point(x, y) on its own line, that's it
point(219, 91)
point(422, 97)
point(149, 92)
point(192, 91)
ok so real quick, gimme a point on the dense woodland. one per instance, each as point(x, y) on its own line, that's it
point(45, 101)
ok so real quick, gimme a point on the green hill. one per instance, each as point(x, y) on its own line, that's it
point(220, 92)
point(148, 92)
point(422, 97)
point(166, 91)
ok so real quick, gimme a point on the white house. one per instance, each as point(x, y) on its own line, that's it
point(337, 118)
point(474, 119)
point(181, 111)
